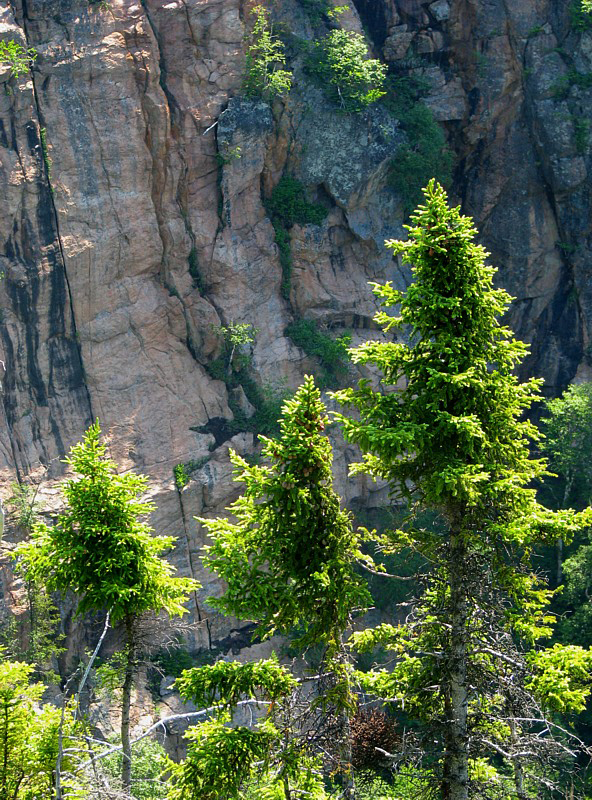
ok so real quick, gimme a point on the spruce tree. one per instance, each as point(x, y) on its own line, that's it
point(287, 555)
point(288, 552)
point(446, 429)
point(101, 549)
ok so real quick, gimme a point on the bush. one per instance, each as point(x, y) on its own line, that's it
point(580, 15)
point(182, 472)
point(264, 76)
point(17, 57)
point(332, 353)
point(426, 154)
point(317, 10)
point(194, 271)
point(268, 401)
point(149, 763)
point(349, 77)
point(288, 206)
point(23, 505)
point(583, 80)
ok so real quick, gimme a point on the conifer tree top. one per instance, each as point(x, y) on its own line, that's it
point(100, 547)
point(453, 437)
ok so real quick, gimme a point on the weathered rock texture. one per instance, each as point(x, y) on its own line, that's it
point(140, 225)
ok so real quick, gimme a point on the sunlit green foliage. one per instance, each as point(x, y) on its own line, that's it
point(219, 759)
point(101, 549)
point(264, 73)
point(149, 771)
point(351, 79)
point(234, 762)
point(98, 547)
point(287, 553)
point(17, 57)
point(580, 12)
point(224, 683)
point(29, 738)
point(453, 439)
point(561, 677)
point(568, 444)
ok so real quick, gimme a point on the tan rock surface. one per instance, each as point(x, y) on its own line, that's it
point(151, 230)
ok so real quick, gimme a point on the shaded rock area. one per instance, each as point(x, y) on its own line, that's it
point(135, 178)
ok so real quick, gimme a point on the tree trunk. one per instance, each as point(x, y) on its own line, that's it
point(559, 574)
point(126, 764)
point(455, 779)
point(518, 770)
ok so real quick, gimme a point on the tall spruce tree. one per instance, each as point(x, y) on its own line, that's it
point(287, 555)
point(446, 430)
point(101, 549)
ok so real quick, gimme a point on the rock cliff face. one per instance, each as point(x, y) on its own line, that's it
point(134, 177)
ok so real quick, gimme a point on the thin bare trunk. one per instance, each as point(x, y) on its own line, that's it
point(126, 765)
point(81, 685)
point(517, 763)
point(455, 779)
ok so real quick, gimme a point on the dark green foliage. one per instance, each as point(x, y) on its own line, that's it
point(45, 152)
point(172, 661)
point(317, 10)
point(332, 353)
point(581, 134)
point(349, 77)
point(234, 367)
point(583, 80)
point(288, 206)
point(34, 636)
point(288, 559)
point(194, 271)
point(282, 239)
point(426, 155)
point(268, 401)
point(580, 15)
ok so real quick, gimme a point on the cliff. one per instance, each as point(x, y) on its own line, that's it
point(135, 222)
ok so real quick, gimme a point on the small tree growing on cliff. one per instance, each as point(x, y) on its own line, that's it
point(100, 549)
point(264, 76)
point(453, 440)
